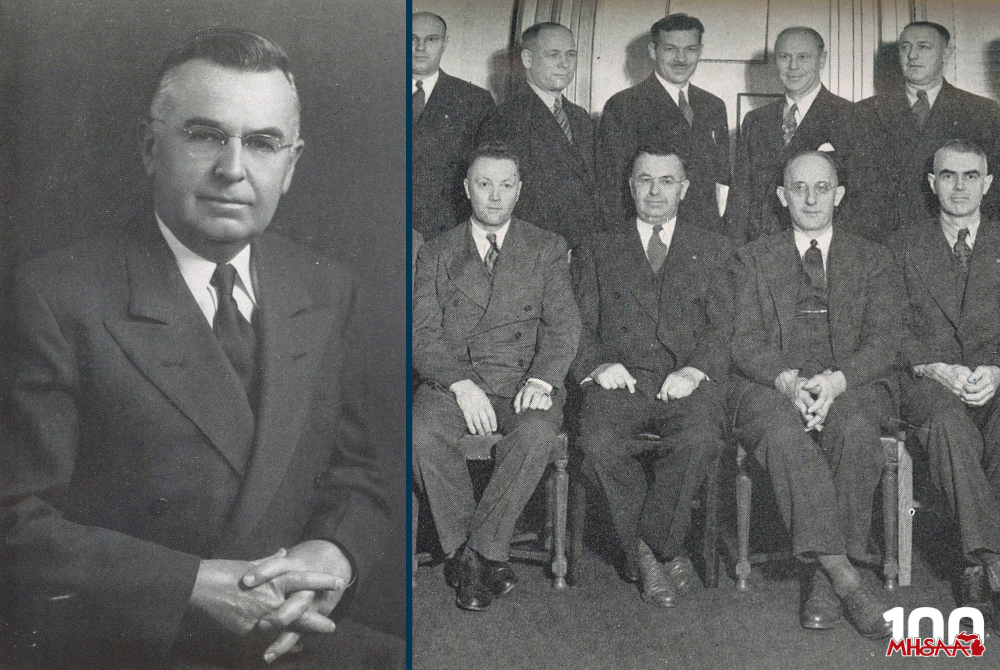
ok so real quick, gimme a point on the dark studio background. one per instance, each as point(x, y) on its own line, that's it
point(75, 77)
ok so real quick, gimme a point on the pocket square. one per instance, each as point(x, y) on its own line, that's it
point(826, 146)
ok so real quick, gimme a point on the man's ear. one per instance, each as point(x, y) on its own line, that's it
point(147, 142)
point(933, 182)
point(465, 184)
point(838, 195)
point(781, 196)
point(526, 59)
point(987, 181)
point(652, 50)
point(290, 170)
point(684, 188)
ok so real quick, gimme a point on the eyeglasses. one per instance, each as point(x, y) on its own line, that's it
point(206, 142)
point(801, 189)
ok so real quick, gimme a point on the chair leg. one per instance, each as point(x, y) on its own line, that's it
point(550, 506)
point(744, 491)
point(905, 511)
point(890, 511)
point(710, 549)
point(577, 522)
point(561, 496)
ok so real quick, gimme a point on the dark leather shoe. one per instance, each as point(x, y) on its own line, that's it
point(502, 577)
point(972, 588)
point(821, 609)
point(864, 609)
point(657, 589)
point(453, 569)
point(681, 572)
point(473, 592)
point(992, 572)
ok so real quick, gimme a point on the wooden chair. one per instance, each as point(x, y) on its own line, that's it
point(549, 546)
point(647, 442)
point(897, 517)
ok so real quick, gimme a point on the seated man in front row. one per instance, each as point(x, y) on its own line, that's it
point(653, 351)
point(814, 340)
point(954, 294)
point(495, 328)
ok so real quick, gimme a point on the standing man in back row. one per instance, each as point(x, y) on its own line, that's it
point(553, 138)
point(447, 112)
point(805, 119)
point(891, 137)
point(667, 109)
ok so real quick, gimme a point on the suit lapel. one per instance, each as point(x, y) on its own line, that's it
point(678, 269)
point(636, 266)
point(437, 100)
point(782, 263)
point(542, 118)
point(294, 328)
point(468, 273)
point(516, 261)
point(984, 269)
point(841, 286)
point(165, 334)
point(930, 257)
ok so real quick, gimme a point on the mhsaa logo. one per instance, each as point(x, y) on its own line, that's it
point(960, 642)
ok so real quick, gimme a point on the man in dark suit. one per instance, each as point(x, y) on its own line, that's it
point(447, 112)
point(666, 108)
point(805, 119)
point(813, 343)
point(553, 138)
point(950, 269)
point(890, 138)
point(653, 354)
point(187, 478)
point(495, 328)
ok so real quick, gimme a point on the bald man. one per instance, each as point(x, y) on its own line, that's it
point(813, 343)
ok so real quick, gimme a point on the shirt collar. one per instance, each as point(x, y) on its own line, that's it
point(673, 89)
point(479, 236)
point(951, 234)
point(802, 106)
point(428, 84)
point(646, 231)
point(932, 93)
point(548, 98)
point(198, 271)
point(803, 242)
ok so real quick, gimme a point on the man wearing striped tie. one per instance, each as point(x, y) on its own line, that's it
point(495, 328)
point(653, 356)
point(553, 138)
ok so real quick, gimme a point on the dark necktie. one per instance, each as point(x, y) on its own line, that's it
point(963, 252)
point(812, 263)
point(656, 250)
point(492, 253)
point(234, 332)
point(562, 119)
point(789, 125)
point(921, 108)
point(419, 100)
point(686, 110)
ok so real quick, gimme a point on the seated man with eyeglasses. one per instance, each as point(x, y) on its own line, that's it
point(188, 479)
point(817, 319)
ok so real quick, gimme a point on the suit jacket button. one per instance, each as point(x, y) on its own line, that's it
point(520, 363)
point(456, 302)
point(624, 329)
point(527, 308)
point(517, 336)
point(159, 507)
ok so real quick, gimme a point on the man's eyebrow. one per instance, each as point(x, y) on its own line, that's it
point(273, 131)
point(951, 172)
point(972, 172)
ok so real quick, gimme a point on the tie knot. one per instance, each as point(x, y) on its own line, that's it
point(557, 103)
point(813, 244)
point(223, 279)
point(657, 229)
point(791, 110)
point(420, 85)
point(492, 237)
point(922, 96)
point(963, 234)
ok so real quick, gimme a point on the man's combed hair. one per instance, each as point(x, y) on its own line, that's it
point(959, 146)
point(672, 22)
point(825, 155)
point(802, 30)
point(494, 149)
point(530, 36)
point(239, 50)
point(941, 30)
point(655, 149)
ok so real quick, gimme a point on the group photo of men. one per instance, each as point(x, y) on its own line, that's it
point(825, 276)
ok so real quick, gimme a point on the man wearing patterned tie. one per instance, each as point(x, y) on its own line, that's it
point(817, 318)
point(553, 138)
point(805, 119)
point(495, 328)
point(667, 109)
point(447, 112)
point(653, 356)
point(889, 139)
point(188, 481)
point(950, 267)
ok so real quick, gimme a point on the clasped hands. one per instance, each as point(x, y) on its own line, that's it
point(678, 384)
point(292, 591)
point(812, 397)
point(975, 387)
point(480, 417)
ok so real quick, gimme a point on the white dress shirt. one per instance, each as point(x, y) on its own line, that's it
point(802, 243)
point(646, 232)
point(428, 85)
point(932, 94)
point(801, 106)
point(951, 234)
point(674, 90)
point(198, 271)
